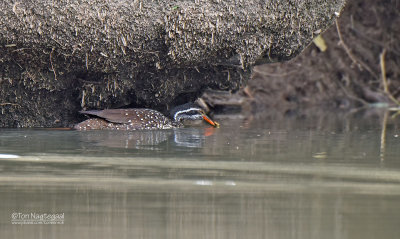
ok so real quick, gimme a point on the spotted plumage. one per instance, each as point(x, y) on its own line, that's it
point(138, 119)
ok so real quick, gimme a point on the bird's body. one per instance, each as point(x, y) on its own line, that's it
point(141, 119)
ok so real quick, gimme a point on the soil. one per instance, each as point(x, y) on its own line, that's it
point(59, 57)
point(363, 51)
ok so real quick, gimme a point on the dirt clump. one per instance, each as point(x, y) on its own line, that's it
point(361, 66)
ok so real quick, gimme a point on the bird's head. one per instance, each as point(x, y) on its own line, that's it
point(190, 111)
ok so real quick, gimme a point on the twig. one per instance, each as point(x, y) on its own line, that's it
point(376, 42)
point(6, 103)
point(383, 71)
point(395, 114)
point(384, 79)
point(83, 99)
point(356, 61)
point(51, 62)
point(383, 137)
point(87, 61)
point(351, 95)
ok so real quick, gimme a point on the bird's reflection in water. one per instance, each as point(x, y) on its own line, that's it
point(190, 137)
point(147, 139)
point(141, 139)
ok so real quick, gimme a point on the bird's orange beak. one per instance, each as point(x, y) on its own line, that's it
point(210, 121)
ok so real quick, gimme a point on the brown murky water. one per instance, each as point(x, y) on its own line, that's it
point(313, 176)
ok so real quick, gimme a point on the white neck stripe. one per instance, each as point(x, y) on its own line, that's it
point(184, 111)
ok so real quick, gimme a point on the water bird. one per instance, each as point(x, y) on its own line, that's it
point(141, 119)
